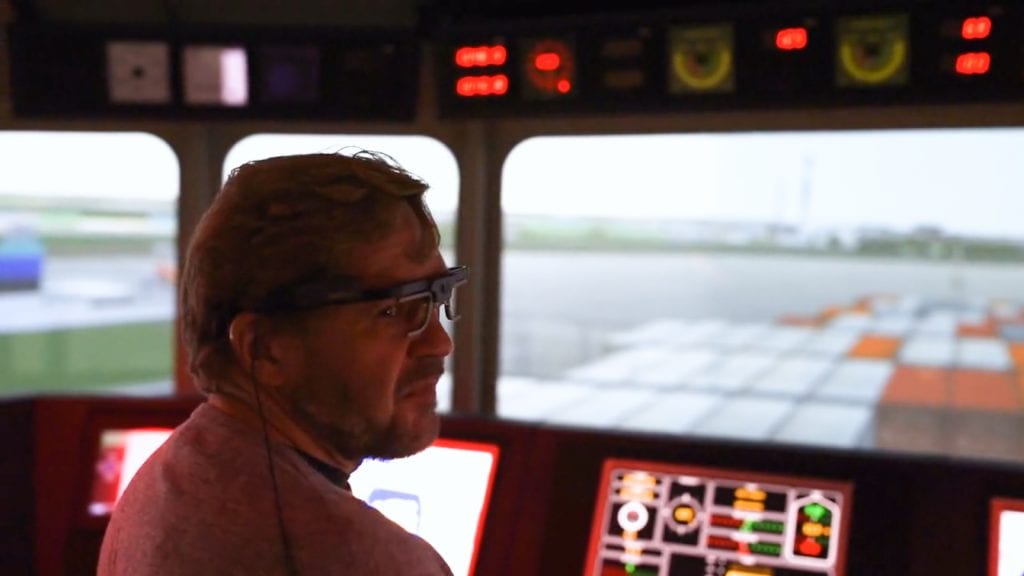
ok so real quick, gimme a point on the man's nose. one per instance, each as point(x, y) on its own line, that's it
point(434, 340)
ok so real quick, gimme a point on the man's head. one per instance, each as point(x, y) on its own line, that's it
point(286, 285)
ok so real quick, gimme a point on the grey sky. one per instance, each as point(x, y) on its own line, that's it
point(964, 180)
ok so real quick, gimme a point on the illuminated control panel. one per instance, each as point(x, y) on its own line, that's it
point(656, 519)
point(766, 56)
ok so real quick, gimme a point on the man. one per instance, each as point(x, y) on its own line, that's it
point(310, 303)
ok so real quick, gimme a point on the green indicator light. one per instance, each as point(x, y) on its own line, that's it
point(769, 526)
point(815, 511)
point(630, 568)
point(748, 526)
point(766, 548)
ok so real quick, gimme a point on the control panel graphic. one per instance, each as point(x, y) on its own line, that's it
point(656, 519)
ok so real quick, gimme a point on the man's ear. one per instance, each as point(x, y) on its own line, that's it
point(256, 348)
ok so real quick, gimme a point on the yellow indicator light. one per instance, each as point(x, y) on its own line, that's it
point(630, 493)
point(751, 494)
point(826, 531)
point(684, 514)
point(639, 479)
point(812, 529)
point(748, 505)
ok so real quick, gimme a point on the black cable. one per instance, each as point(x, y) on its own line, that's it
point(289, 557)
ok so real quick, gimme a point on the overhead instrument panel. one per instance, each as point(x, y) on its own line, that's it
point(760, 55)
point(250, 73)
point(656, 519)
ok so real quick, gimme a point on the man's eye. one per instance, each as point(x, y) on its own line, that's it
point(389, 311)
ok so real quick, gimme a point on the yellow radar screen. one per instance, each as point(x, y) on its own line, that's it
point(701, 59)
point(873, 51)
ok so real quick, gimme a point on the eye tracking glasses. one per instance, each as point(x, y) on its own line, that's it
point(413, 301)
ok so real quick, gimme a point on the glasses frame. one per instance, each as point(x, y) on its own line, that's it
point(342, 292)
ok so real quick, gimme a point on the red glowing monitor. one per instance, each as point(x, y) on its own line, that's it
point(977, 28)
point(791, 38)
point(658, 519)
point(441, 494)
point(973, 63)
point(1006, 555)
point(121, 454)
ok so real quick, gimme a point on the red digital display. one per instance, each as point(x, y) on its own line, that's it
point(549, 68)
point(471, 86)
point(977, 28)
point(547, 61)
point(791, 39)
point(973, 63)
point(480, 56)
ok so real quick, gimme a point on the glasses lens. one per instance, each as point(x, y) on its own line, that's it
point(451, 308)
point(415, 312)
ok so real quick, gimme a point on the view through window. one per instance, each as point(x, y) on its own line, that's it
point(852, 289)
point(88, 226)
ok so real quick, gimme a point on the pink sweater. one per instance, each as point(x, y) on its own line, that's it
point(203, 504)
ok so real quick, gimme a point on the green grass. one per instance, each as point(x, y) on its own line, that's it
point(86, 358)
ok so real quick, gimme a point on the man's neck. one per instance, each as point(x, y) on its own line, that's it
point(280, 426)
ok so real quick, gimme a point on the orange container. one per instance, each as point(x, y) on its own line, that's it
point(917, 386)
point(1017, 355)
point(985, 390)
point(987, 329)
point(873, 346)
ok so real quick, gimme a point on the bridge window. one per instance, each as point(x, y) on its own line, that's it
point(88, 232)
point(855, 289)
point(425, 157)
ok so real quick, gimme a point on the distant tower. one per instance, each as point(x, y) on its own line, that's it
point(806, 188)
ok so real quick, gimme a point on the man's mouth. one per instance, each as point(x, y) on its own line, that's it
point(421, 387)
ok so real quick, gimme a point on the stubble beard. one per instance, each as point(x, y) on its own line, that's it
point(355, 436)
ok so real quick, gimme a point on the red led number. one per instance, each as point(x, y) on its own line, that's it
point(976, 28)
point(547, 61)
point(971, 63)
point(475, 56)
point(469, 86)
point(791, 39)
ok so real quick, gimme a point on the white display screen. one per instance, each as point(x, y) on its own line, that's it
point(440, 494)
point(1007, 554)
point(122, 452)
